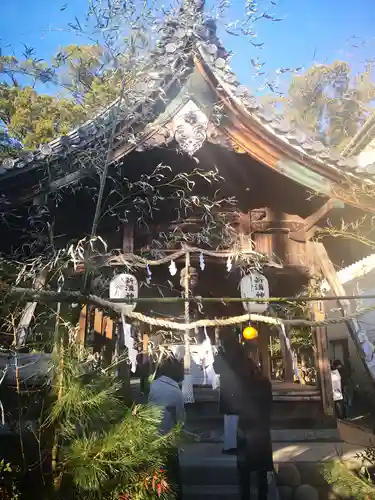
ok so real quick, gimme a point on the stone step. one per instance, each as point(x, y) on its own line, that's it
point(206, 456)
point(304, 435)
point(281, 392)
point(210, 411)
point(207, 474)
point(301, 414)
point(211, 492)
point(227, 475)
point(214, 434)
point(230, 491)
point(222, 476)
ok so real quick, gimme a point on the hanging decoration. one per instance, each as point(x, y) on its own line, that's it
point(250, 333)
point(172, 268)
point(229, 264)
point(129, 344)
point(149, 274)
point(292, 353)
point(208, 358)
point(124, 286)
point(202, 263)
point(254, 285)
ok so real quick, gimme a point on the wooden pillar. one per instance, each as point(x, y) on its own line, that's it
point(287, 356)
point(146, 368)
point(322, 360)
point(108, 340)
point(263, 349)
point(128, 238)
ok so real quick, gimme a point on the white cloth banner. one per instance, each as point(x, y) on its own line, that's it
point(129, 344)
point(202, 357)
point(292, 353)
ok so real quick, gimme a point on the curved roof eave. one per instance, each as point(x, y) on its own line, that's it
point(272, 142)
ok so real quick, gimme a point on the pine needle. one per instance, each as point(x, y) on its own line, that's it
point(349, 484)
point(107, 449)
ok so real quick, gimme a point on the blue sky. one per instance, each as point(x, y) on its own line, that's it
point(311, 31)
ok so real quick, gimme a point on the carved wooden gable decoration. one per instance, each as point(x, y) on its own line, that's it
point(190, 128)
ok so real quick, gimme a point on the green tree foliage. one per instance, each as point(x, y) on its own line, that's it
point(349, 484)
point(84, 72)
point(105, 449)
point(88, 73)
point(35, 118)
point(330, 104)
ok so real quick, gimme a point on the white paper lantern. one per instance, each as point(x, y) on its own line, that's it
point(254, 285)
point(124, 286)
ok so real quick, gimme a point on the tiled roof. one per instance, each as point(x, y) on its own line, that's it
point(277, 125)
point(183, 36)
point(355, 271)
point(362, 138)
point(169, 63)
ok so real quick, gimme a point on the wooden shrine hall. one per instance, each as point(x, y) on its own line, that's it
point(270, 188)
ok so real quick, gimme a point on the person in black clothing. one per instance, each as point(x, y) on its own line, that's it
point(254, 445)
point(224, 363)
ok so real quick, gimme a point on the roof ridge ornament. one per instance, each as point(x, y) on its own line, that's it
point(197, 5)
point(190, 128)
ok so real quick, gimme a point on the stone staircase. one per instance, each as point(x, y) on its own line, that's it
point(295, 421)
point(207, 474)
point(303, 439)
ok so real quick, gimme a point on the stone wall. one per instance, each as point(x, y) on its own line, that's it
point(303, 481)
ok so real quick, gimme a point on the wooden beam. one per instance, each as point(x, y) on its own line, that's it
point(82, 326)
point(263, 341)
point(146, 364)
point(310, 222)
point(322, 360)
point(287, 357)
point(314, 218)
point(324, 263)
point(29, 311)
